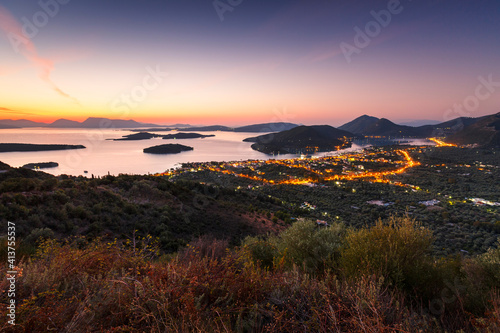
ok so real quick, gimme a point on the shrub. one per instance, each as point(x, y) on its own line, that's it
point(397, 250)
point(261, 251)
point(38, 233)
point(311, 247)
point(491, 263)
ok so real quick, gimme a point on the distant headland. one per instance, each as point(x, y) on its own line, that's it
point(27, 147)
point(41, 165)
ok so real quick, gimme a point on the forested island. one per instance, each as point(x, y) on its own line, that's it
point(167, 149)
point(41, 165)
point(186, 136)
point(147, 136)
point(138, 136)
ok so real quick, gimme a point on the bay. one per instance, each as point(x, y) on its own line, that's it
point(104, 156)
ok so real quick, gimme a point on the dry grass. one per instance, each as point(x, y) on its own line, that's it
point(108, 287)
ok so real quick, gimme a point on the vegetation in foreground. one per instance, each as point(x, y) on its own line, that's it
point(308, 278)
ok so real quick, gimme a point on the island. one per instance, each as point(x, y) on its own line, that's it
point(147, 136)
point(41, 165)
point(26, 147)
point(167, 149)
point(138, 136)
point(186, 136)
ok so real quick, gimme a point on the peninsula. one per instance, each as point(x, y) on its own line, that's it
point(25, 147)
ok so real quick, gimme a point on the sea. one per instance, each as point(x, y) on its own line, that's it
point(103, 156)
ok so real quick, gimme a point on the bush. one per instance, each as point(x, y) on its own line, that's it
point(397, 250)
point(491, 263)
point(311, 247)
point(261, 251)
point(36, 234)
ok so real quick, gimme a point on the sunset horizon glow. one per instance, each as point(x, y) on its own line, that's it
point(165, 62)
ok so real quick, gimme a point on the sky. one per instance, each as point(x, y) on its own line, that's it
point(235, 62)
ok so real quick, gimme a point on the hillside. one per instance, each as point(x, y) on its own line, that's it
point(117, 123)
point(484, 132)
point(372, 126)
point(64, 123)
point(266, 127)
point(385, 127)
point(302, 139)
point(116, 206)
point(20, 123)
point(446, 128)
point(2, 126)
point(359, 125)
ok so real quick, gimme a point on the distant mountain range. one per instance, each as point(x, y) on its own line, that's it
point(256, 128)
point(484, 132)
point(381, 127)
point(139, 127)
point(465, 130)
point(9, 123)
point(65, 123)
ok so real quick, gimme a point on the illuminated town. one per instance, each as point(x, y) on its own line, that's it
point(369, 164)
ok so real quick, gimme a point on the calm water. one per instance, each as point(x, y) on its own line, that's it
point(102, 156)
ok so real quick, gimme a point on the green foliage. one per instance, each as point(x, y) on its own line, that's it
point(311, 247)
point(397, 250)
point(490, 261)
point(39, 234)
point(262, 251)
point(304, 244)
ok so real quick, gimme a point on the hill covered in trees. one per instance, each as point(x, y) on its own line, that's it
point(302, 139)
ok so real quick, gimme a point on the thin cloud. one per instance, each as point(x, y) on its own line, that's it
point(10, 111)
point(25, 46)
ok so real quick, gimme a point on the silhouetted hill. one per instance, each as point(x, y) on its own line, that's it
point(65, 123)
point(372, 126)
point(20, 123)
point(21, 147)
point(211, 128)
point(186, 136)
point(485, 132)
point(4, 166)
point(2, 126)
point(138, 136)
point(256, 128)
point(385, 127)
point(267, 127)
point(302, 139)
point(448, 127)
point(359, 125)
point(417, 123)
point(116, 123)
